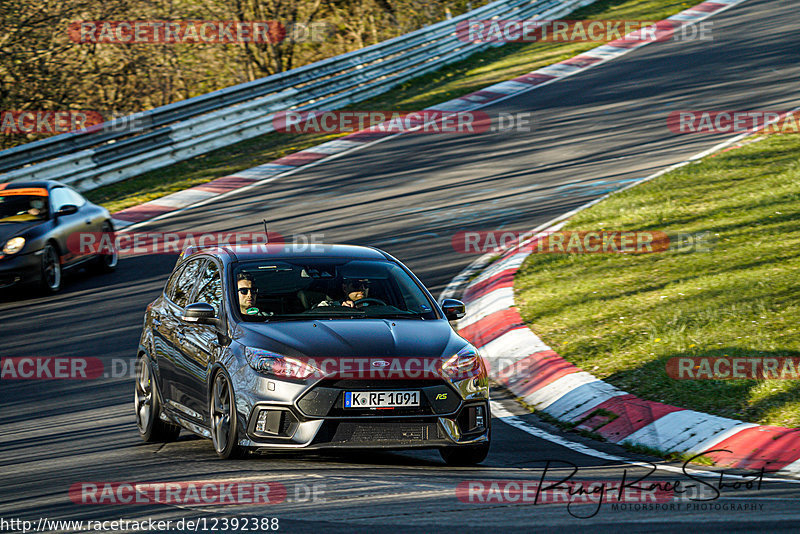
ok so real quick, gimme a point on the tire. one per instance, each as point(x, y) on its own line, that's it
point(106, 263)
point(51, 275)
point(147, 407)
point(464, 455)
point(224, 418)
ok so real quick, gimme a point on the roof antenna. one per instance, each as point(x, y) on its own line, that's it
point(266, 233)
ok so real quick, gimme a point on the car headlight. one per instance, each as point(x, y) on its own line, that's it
point(272, 363)
point(14, 245)
point(466, 363)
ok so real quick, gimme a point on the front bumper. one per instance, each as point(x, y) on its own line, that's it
point(19, 269)
point(314, 417)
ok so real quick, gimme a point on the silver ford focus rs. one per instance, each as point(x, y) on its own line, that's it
point(283, 347)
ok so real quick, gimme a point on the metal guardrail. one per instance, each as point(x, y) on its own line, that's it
point(156, 138)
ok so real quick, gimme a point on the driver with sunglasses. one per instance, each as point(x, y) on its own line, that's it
point(247, 292)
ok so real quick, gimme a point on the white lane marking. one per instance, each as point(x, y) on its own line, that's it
point(499, 412)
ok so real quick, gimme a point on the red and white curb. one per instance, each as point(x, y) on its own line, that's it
point(523, 363)
point(207, 192)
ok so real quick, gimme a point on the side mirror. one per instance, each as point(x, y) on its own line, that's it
point(67, 209)
point(199, 313)
point(453, 309)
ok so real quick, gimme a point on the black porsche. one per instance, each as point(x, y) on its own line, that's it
point(36, 222)
point(289, 347)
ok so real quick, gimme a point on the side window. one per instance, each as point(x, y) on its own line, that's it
point(59, 196)
point(172, 283)
point(74, 197)
point(186, 281)
point(210, 290)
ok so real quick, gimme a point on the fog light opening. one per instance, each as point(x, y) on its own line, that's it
point(472, 419)
point(269, 422)
point(479, 417)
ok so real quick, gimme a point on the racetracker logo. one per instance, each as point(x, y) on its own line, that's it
point(727, 122)
point(563, 242)
point(47, 122)
point(196, 31)
point(50, 368)
point(197, 492)
point(458, 367)
point(426, 121)
point(563, 31)
point(733, 368)
point(144, 243)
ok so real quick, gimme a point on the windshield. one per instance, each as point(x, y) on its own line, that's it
point(17, 207)
point(268, 290)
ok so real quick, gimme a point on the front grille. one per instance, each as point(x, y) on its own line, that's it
point(326, 399)
point(383, 432)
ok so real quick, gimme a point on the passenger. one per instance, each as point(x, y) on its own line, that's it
point(354, 289)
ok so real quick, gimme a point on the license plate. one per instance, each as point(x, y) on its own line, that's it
point(380, 399)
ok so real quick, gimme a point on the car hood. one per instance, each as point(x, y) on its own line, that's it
point(354, 338)
point(14, 229)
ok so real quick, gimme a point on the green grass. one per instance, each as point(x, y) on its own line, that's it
point(472, 74)
point(621, 317)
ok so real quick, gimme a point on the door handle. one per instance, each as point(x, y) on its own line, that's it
point(88, 221)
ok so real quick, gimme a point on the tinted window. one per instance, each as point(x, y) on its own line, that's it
point(210, 287)
point(173, 282)
point(22, 208)
point(186, 281)
point(315, 288)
